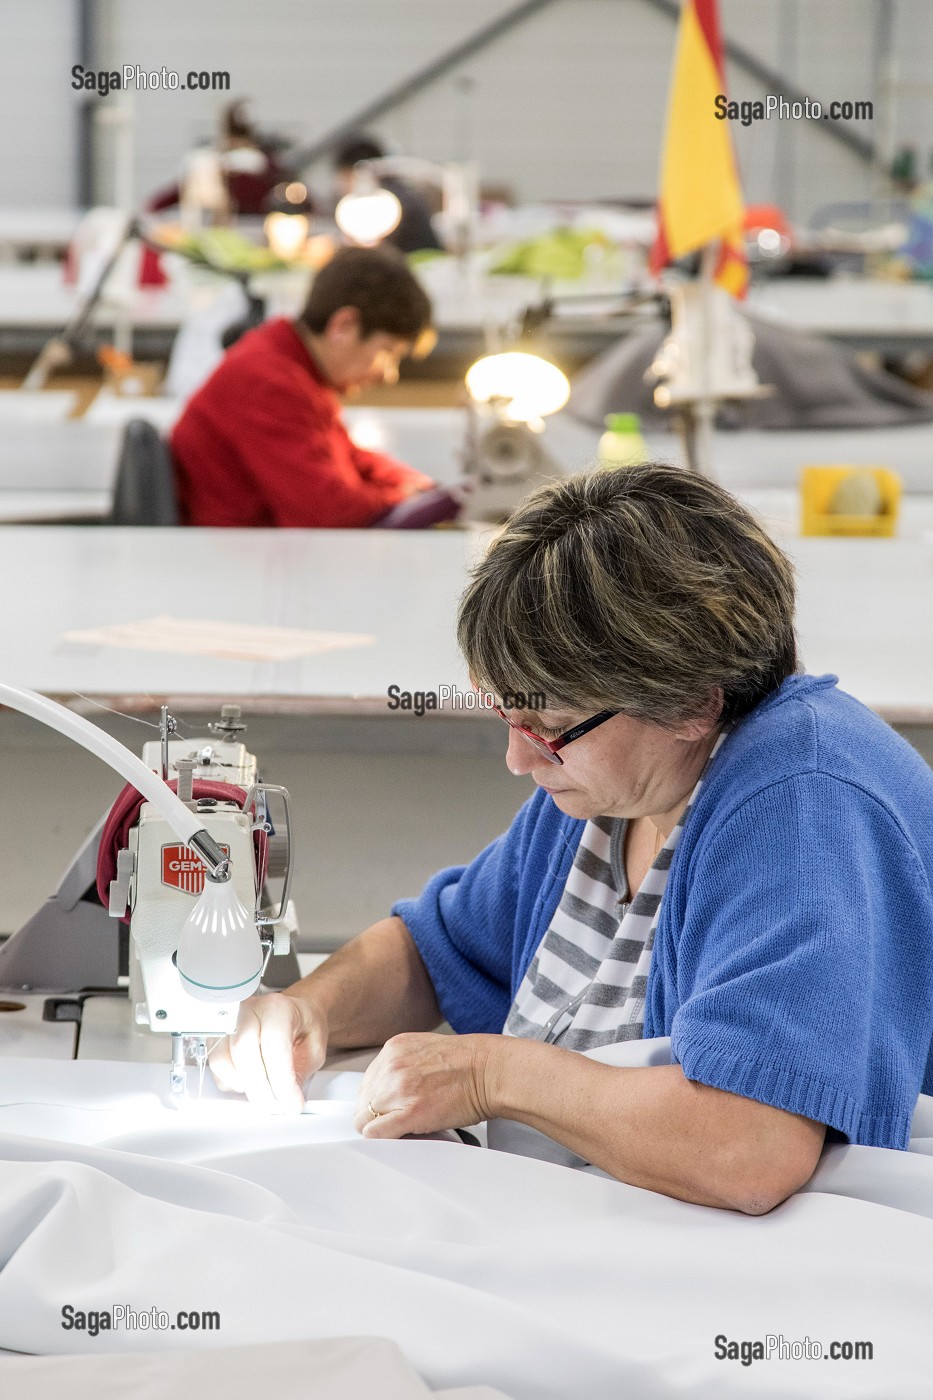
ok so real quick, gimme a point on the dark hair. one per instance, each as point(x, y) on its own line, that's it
point(356, 148)
point(378, 282)
point(640, 589)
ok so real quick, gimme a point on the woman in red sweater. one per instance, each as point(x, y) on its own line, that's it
point(263, 443)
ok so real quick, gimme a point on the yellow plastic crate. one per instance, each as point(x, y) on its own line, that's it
point(817, 484)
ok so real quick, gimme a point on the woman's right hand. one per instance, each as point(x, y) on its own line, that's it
point(279, 1042)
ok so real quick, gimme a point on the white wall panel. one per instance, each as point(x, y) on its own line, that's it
point(567, 105)
point(571, 104)
point(37, 166)
point(306, 64)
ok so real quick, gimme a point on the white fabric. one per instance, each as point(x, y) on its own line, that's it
point(293, 1235)
point(353, 1368)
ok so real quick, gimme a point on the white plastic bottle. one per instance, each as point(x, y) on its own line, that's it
point(622, 444)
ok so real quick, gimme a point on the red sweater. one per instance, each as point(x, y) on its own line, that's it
point(262, 443)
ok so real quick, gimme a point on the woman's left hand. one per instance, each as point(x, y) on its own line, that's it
point(423, 1083)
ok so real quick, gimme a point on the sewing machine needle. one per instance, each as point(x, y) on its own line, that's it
point(178, 1082)
point(200, 1054)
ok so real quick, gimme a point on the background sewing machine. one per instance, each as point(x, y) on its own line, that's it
point(77, 947)
point(503, 462)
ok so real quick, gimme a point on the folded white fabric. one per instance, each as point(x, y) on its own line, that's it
point(353, 1368)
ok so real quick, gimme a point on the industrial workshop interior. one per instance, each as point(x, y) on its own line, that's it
point(466, 699)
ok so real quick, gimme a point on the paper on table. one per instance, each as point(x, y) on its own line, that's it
point(235, 641)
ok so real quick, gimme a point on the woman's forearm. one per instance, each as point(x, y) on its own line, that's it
point(374, 987)
point(654, 1128)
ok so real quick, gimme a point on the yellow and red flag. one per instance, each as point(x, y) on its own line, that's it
point(701, 198)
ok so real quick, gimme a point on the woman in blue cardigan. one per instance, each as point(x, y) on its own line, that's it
point(721, 850)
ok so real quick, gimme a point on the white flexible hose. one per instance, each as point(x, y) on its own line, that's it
point(182, 821)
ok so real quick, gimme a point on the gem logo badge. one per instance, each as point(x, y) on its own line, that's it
point(183, 869)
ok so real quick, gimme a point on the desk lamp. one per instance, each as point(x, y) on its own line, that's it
point(369, 212)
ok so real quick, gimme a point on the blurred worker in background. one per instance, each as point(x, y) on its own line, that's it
point(415, 231)
point(247, 169)
point(262, 443)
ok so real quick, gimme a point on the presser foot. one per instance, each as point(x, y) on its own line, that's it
point(182, 1046)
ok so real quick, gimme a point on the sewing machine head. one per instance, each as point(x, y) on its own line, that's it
point(205, 914)
point(189, 981)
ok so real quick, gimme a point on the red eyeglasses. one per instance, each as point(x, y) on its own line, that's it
point(548, 748)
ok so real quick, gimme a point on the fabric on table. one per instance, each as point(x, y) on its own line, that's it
point(439, 1249)
point(352, 1368)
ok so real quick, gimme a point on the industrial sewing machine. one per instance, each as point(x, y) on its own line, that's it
point(119, 913)
point(503, 461)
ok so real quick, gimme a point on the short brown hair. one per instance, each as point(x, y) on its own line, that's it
point(640, 589)
point(379, 283)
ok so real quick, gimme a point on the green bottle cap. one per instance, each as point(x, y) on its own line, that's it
point(623, 423)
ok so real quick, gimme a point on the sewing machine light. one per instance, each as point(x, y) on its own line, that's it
point(368, 213)
point(287, 234)
point(219, 955)
point(528, 387)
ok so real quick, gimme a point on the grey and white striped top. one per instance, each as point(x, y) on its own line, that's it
point(586, 983)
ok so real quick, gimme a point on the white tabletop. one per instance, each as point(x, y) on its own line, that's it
point(76, 460)
point(401, 586)
point(26, 228)
point(865, 312)
point(467, 298)
point(70, 456)
point(24, 406)
point(110, 409)
point(53, 507)
point(775, 459)
point(866, 612)
point(67, 470)
point(36, 296)
point(850, 308)
point(51, 467)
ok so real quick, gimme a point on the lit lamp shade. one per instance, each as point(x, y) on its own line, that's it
point(219, 955)
point(287, 234)
point(368, 217)
point(527, 386)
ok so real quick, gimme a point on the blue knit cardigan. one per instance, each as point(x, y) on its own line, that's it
point(793, 961)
